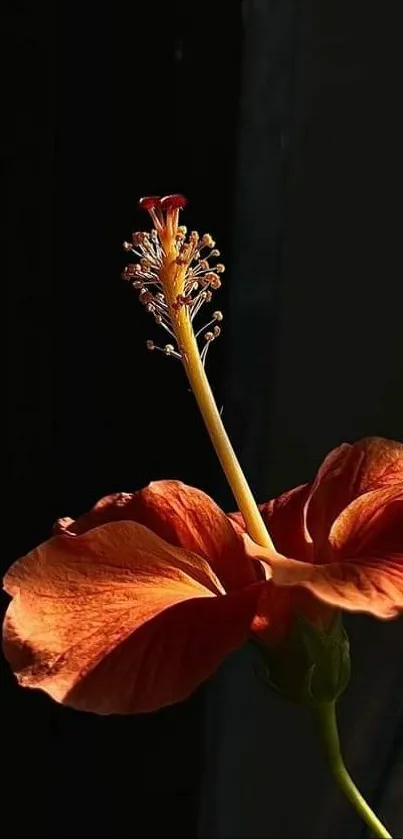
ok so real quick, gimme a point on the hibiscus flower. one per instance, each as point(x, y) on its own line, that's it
point(130, 607)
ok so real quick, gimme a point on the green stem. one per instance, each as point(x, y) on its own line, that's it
point(330, 737)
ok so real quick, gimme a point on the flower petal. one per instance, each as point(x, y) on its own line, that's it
point(170, 656)
point(278, 607)
point(284, 518)
point(182, 515)
point(372, 523)
point(118, 621)
point(346, 473)
point(372, 584)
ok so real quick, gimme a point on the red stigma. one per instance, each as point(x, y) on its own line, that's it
point(149, 202)
point(173, 202)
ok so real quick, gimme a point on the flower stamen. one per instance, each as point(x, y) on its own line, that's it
point(168, 350)
point(174, 275)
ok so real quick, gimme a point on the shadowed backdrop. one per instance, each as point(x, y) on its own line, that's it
point(282, 127)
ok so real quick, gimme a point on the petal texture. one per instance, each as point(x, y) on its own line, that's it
point(117, 620)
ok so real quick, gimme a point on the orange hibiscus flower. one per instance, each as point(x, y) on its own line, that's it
point(130, 607)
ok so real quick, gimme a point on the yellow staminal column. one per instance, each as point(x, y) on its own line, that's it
point(187, 344)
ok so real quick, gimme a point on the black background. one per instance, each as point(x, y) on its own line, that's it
point(105, 103)
point(108, 102)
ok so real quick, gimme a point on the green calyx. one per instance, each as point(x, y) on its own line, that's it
point(312, 666)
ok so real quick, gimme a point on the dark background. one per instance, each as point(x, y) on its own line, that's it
point(281, 125)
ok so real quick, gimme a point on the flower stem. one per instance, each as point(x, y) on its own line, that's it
point(218, 435)
point(330, 738)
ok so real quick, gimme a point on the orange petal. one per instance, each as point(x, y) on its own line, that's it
point(284, 518)
point(118, 621)
point(374, 586)
point(346, 473)
point(278, 606)
point(371, 584)
point(372, 524)
point(184, 517)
